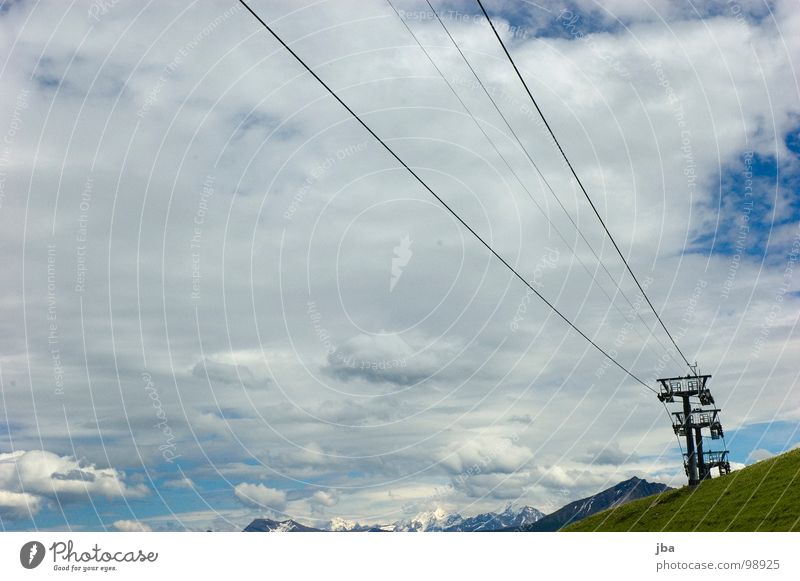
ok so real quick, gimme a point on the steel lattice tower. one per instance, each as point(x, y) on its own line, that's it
point(698, 413)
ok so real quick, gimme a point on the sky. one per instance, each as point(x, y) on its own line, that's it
point(222, 299)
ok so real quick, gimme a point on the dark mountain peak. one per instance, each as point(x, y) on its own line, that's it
point(630, 482)
point(267, 525)
point(616, 495)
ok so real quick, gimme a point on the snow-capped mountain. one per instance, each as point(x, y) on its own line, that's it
point(492, 521)
point(438, 520)
point(342, 525)
point(266, 525)
point(435, 520)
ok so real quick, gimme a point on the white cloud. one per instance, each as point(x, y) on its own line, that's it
point(18, 504)
point(553, 477)
point(608, 453)
point(221, 372)
point(28, 478)
point(180, 483)
point(326, 498)
point(390, 358)
point(132, 526)
point(46, 473)
point(490, 487)
point(486, 455)
point(260, 496)
point(759, 455)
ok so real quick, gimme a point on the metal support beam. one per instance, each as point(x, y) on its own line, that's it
point(691, 467)
point(703, 472)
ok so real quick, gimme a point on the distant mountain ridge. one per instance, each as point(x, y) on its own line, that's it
point(433, 521)
point(439, 520)
point(631, 489)
point(526, 518)
point(491, 521)
point(266, 525)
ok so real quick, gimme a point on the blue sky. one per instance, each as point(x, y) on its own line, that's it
point(774, 437)
point(753, 186)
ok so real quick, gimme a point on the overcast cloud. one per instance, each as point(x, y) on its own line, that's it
point(222, 299)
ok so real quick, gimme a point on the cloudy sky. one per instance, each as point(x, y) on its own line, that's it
point(222, 299)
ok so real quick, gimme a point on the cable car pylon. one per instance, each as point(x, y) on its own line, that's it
point(698, 413)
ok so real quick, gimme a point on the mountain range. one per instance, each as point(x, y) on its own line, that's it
point(511, 518)
point(433, 521)
point(439, 520)
point(266, 525)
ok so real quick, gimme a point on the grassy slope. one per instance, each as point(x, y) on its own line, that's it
point(761, 497)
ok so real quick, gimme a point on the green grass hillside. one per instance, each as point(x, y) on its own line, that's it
point(761, 497)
